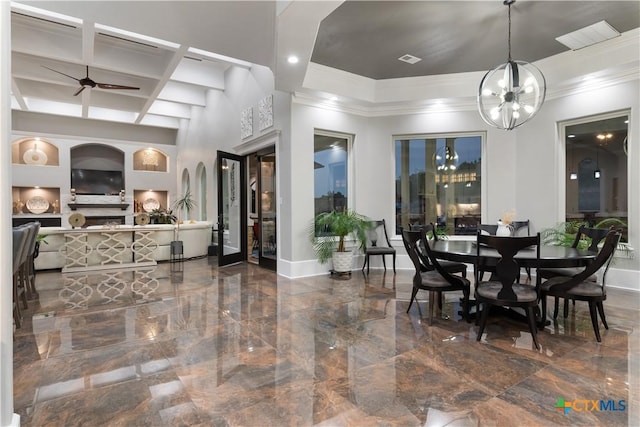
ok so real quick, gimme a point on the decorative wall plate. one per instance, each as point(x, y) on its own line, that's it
point(150, 204)
point(142, 219)
point(76, 220)
point(33, 156)
point(37, 205)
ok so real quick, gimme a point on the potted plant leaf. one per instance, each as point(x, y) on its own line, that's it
point(341, 224)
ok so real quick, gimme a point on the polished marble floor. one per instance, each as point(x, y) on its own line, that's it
point(240, 346)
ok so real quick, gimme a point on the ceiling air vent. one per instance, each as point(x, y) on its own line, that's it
point(128, 40)
point(587, 36)
point(410, 59)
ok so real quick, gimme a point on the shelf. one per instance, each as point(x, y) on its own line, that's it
point(75, 206)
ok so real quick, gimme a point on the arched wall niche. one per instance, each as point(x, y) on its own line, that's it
point(97, 157)
point(200, 195)
point(34, 151)
point(150, 159)
point(97, 169)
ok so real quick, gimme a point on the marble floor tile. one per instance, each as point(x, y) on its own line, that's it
point(242, 346)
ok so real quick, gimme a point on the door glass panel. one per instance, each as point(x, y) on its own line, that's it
point(268, 204)
point(231, 209)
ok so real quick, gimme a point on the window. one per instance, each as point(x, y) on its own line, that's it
point(330, 163)
point(596, 168)
point(438, 180)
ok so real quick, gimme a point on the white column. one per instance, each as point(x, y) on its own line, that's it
point(7, 417)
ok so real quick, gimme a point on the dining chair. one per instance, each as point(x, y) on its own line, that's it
point(20, 236)
point(504, 289)
point(580, 287)
point(519, 229)
point(521, 225)
point(595, 235)
point(28, 268)
point(490, 229)
point(376, 246)
point(452, 267)
point(434, 281)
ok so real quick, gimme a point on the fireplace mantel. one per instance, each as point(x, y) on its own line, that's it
point(75, 206)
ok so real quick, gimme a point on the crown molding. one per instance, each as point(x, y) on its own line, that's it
point(568, 73)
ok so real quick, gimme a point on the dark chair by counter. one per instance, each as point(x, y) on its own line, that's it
point(503, 289)
point(434, 281)
point(377, 246)
point(579, 287)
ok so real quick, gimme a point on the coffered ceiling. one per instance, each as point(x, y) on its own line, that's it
point(177, 51)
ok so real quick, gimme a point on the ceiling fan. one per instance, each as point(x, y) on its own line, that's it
point(87, 82)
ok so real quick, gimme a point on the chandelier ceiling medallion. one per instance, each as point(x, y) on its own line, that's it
point(511, 94)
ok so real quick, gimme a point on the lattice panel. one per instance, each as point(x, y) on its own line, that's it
point(76, 250)
point(143, 246)
point(112, 248)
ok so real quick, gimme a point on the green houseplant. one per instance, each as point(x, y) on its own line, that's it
point(341, 224)
point(185, 204)
point(564, 233)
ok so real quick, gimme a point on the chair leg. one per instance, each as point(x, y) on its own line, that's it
point(384, 264)
point(432, 296)
point(566, 308)
point(594, 319)
point(413, 296)
point(465, 306)
point(601, 311)
point(366, 260)
point(483, 320)
point(440, 301)
point(556, 305)
point(531, 317)
point(394, 263)
point(543, 309)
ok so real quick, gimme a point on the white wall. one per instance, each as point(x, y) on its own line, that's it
point(521, 168)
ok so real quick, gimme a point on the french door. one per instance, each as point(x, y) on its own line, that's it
point(267, 209)
point(232, 208)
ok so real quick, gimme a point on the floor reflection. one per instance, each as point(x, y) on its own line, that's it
point(242, 346)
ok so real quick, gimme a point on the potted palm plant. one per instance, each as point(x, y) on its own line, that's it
point(341, 224)
point(184, 204)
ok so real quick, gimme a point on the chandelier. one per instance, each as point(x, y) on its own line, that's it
point(511, 94)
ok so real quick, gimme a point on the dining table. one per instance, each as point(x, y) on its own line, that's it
point(550, 257)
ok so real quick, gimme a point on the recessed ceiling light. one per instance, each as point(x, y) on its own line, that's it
point(292, 59)
point(409, 59)
point(571, 136)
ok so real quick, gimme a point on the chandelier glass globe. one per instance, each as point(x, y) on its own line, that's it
point(511, 94)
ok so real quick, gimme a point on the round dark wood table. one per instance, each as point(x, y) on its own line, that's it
point(550, 256)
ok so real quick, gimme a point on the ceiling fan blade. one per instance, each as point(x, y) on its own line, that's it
point(55, 71)
point(110, 86)
point(79, 90)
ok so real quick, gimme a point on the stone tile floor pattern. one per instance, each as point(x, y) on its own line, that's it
point(241, 346)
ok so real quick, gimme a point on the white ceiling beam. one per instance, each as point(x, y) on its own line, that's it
point(88, 42)
point(18, 95)
point(168, 71)
point(86, 102)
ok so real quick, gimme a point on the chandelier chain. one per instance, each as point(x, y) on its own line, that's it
point(509, 37)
